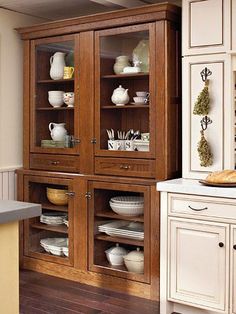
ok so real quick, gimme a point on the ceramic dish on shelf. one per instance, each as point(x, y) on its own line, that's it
point(115, 255)
point(66, 222)
point(127, 209)
point(53, 218)
point(127, 199)
point(122, 228)
point(134, 261)
point(142, 146)
point(54, 245)
point(57, 196)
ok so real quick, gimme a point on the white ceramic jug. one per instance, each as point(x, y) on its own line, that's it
point(121, 63)
point(58, 131)
point(120, 96)
point(57, 62)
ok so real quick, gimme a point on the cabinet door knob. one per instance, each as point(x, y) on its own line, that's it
point(234, 247)
point(70, 193)
point(55, 163)
point(126, 167)
point(197, 209)
point(221, 244)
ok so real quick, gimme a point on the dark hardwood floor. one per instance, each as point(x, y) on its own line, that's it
point(46, 294)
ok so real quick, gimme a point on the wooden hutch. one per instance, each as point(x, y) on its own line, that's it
point(91, 172)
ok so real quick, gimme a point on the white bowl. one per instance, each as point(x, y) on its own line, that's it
point(127, 199)
point(127, 210)
point(115, 255)
point(55, 98)
point(134, 266)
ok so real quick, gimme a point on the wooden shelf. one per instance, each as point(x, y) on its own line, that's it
point(108, 238)
point(110, 214)
point(124, 76)
point(54, 109)
point(58, 208)
point(54, 81)
point(59, 228)
point(130, 106)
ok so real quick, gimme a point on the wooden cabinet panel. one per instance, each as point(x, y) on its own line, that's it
point(54, 163)
point(198, 263)
point(233, 269)
point(220, 113)
point(125, 167)
point(206, 26)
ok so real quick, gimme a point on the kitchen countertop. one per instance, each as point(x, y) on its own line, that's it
point(14, 210)
point(189, 186)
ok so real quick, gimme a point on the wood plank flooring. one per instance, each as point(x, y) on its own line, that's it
point(40, 294)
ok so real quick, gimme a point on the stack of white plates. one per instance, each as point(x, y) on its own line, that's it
point(53, 218)
point(124, 229)
point(66, 222)
point(127, 205)
point(55, 246)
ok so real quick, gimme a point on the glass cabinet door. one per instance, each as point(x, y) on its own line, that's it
point(124, 72)
point(53, 100)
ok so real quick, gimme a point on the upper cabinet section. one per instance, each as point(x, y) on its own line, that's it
point(53, 100)
point(233, 26)
point(206, 26)
point(124, 95)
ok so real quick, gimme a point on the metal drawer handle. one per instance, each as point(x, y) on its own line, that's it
point(126, 167)
point(197, 209)
point(55, 163)
point(70, 193)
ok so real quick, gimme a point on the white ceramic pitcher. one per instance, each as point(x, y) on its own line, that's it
point(57, 62)
point(58, 131)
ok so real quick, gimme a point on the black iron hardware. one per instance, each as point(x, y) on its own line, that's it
point(221, 244)
point(205, 122)
point(205, 73)
point(197, 209)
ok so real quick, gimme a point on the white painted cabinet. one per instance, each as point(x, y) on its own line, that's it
point(198, 263)
point(233, 26)
point(233, 269)
point(220, 133)
point(206, 26)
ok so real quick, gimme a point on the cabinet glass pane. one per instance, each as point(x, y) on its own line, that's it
point(124, 91)
point(53, 80)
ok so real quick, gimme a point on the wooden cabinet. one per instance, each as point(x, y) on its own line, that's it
point(198, 263)
point(83, 163)
point(206, 26)
point(221, 112)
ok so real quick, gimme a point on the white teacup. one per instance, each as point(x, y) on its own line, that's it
point(69, 99)
point(139, 99)
point(55, 98)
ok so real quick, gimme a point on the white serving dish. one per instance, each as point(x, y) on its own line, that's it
point(54, 245)
point(115, 255)
point(127, 209)
point(134, 261)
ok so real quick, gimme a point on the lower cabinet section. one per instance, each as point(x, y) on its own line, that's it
point(233, 269)
point(198, 263)
point(93, 230)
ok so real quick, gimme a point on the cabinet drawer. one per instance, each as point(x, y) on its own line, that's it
point(200, 206)
point(54, 163)
point(125, 167)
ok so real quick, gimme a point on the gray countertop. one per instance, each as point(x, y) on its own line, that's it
point(189, 186)
point(14, 210)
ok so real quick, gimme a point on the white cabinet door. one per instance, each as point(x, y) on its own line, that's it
point(233, 270)
point(206, 26)
point(233, 29)
point(198, 263)
point(219, 134)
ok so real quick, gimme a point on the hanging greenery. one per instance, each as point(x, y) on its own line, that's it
point(202, 104)
point(204, 151)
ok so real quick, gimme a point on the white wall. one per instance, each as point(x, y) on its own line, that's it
point(11, 87)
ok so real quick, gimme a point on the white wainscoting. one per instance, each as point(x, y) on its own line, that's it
point(8, 184)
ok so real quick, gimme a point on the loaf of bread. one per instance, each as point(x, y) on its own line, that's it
point(225, 176)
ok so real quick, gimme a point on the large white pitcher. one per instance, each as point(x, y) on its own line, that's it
point(57, 62)
point(58, 131)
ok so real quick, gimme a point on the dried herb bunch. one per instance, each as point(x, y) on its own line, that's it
point(204, 151)
point(202, 104)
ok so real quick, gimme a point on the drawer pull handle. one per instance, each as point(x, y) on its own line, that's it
point(221, 244)
point(126, 167)
point(197, 209)
point(55, 163)
point(234, 247)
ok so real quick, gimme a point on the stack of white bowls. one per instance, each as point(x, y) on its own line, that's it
point(53, 218)
point(55, 246)
point(127, 205)
point(55, 98)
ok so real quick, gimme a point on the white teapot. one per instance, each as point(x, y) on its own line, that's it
point(120, 96)
point(58, 131)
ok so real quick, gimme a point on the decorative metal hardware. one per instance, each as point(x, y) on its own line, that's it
point(205, 122)
point(234, 247)
point(55, 163)
point(205, 73)
point(221, 244)
point(197, 209)
point(88, 195)
point(70, 193)
point(75, 141)
point(126, 167)
point(93, 141)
